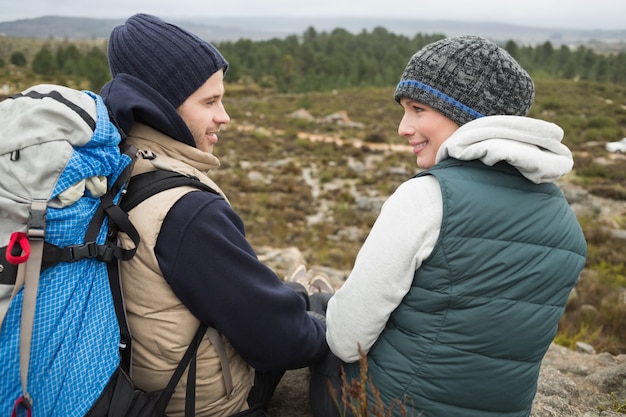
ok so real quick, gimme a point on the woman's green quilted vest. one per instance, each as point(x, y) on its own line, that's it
point(468, 338)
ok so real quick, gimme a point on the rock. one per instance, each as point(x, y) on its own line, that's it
point(575, 384)
point(302, 114)
point(280, 260)
point(585, 348)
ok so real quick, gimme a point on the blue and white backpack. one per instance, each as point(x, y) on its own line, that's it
point(59, 340)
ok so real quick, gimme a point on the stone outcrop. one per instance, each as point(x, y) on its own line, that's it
point(576, 384)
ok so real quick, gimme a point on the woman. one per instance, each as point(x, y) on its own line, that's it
point(455, 296)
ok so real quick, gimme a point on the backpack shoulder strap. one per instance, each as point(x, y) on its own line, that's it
point(143, 186)
point(137, 189)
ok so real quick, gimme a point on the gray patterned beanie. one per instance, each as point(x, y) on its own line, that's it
point(171, 60)
point(465, 78)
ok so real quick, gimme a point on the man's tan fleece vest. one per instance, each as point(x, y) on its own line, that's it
point(161, 325)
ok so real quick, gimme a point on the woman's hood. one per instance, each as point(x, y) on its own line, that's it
point(532, 146)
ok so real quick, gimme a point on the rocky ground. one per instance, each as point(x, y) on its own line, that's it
point(571, 384)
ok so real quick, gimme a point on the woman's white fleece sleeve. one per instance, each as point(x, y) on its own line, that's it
point(403, 235)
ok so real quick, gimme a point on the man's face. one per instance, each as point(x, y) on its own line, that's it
point(204, 112)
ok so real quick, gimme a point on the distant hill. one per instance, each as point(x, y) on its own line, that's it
point(233, 28)
point(59, 27)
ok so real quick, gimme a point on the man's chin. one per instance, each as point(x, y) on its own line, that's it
point(205, 147)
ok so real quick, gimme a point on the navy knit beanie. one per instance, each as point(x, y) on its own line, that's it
point(166, 57)
point(465, 78)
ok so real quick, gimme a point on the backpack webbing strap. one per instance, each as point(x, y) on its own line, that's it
point(28, 277)
point(216, 341)
point(117, 216)
point(119, 221)
point(188, 359)
point(120, 313)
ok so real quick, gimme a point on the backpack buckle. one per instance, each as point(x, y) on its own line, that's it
point(88, 250)
point(37, 220)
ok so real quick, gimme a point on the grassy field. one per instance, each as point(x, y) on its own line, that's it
point(265, 151)
point(267, 156)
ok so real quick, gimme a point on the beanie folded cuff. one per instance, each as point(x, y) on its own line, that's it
point(438, 94)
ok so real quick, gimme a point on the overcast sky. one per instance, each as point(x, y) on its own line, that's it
point(580, 14)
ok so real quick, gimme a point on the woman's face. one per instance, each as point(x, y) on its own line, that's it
point(426, 130)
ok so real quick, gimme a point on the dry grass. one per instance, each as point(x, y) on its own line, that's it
point(354, 401)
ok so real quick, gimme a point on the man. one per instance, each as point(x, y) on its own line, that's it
point(194, 262)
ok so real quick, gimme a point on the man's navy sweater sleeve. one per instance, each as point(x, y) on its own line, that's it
point(209, 264)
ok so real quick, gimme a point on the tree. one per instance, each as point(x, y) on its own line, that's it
point(586, 62)
point(544, 57)
point(318, 61)
point(565, 63)
point(18, 59)
point(44, 62)
point(96, 68)
point(602, 70)
point(310, 35)
point(619, 70)
point(69, 60)
point(512, 49)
